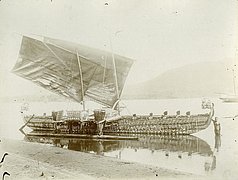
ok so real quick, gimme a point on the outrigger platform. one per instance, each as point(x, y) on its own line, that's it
point(81, 136)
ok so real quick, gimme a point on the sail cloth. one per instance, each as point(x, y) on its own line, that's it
point(54, 65)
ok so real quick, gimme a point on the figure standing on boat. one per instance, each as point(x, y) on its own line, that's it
point(217, 126)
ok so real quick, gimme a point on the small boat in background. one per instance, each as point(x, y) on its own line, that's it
point(231, 98)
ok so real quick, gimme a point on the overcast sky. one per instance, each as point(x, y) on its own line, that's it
point(158, 34)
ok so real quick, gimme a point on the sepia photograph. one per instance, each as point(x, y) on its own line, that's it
point(115, 89)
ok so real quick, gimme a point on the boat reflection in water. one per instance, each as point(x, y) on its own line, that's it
point(183, 153)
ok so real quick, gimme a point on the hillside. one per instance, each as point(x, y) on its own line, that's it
point(190, 81)
point(207, 79)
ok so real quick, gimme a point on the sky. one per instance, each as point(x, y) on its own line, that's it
point(159, 35)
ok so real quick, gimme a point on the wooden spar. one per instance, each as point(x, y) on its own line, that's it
point(81, 80)
point(21, 128)
point(56, 55)
point(116, 103)
point(115, 75)
point(84, 136)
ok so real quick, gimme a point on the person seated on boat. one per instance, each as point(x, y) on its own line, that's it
point(54, 115)
point(100, 127)
point(84, 115)
point(134, 116)
point(150, 116)
point(165, 114)
point(188, 113)
point(177, 113)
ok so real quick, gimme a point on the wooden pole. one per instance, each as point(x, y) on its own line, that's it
point(115, 74)
point(81, 80)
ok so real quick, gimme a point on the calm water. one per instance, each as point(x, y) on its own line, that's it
point(203, 153)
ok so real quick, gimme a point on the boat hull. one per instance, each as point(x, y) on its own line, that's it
point(40, 123)
point(177, 124)
point(159, 125)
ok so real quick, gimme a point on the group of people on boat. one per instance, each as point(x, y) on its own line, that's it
point(82, 124)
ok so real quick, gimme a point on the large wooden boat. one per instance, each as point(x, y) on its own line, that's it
point(135, 124)
point(80, 73)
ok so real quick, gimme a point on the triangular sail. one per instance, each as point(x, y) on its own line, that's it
point(53, 64)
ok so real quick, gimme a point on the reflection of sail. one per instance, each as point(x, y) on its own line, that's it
point(189, 144)
point(54, 65)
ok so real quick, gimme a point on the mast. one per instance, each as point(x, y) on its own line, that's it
point(81, 81)
point(104, 71)
point(115, 76)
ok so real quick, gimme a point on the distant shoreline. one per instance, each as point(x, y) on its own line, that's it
point(60, 99)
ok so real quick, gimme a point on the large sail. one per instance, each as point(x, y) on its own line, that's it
point(56, 65)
